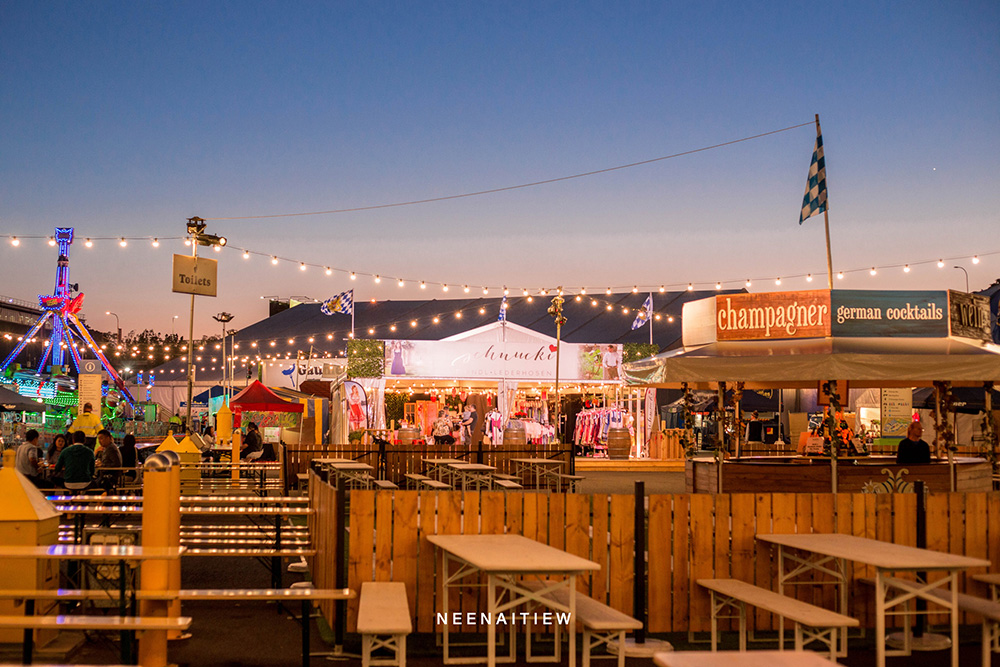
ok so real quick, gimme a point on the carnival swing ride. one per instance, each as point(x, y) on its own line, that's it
point(61, 308)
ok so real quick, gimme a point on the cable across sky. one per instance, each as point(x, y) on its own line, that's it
point(515, 187)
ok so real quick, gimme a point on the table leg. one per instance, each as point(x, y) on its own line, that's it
point(880, 593)
point(781, 591)
point(953, 589)
point(444, 600)
point(306, 618)
point(491, 628)
point(125, 637)
point(28, 647)
point(572, 622)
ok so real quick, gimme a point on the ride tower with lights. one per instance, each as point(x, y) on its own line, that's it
point(61, 307)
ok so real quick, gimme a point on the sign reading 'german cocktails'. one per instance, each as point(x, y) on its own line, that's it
point(773, 315)
point(873, 313)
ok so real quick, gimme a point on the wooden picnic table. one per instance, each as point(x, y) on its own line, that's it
point(474, 475)
point(438, 468)
point(801, 556)
point(742, 659)
point(543, 470)
point(352, 474)
point(505, 558)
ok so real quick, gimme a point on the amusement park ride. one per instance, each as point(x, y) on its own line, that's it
point(61, 308)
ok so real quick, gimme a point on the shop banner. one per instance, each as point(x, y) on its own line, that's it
point(875, 313)
point(291, 373)
point(773, 315)
point(649, 412)
point(897, 411)
point(89, 387)
point(969, 315)
point(358, 413)
point(508, 360)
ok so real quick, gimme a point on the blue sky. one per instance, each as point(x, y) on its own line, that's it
point(124, 118)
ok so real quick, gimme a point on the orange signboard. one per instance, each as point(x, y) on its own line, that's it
point(773, 315)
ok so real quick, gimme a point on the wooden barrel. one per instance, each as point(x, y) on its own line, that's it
point(515, 438)
point(619, 443)
point(408, 434)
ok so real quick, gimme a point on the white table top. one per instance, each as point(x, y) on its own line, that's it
point(511, 554)
point(328, 461)
point(883, 555)
point(538, 462)
point(442, 462)
point(742, 659)
point(351, 465)
point(78, 552)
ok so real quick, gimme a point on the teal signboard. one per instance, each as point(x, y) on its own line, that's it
point(871, 313)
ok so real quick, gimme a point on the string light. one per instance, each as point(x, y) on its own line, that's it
point(246, 255)
point(809, 278)
point(302, 266)
point(840, 275)
point(123, 242)
point(663, 289)
point(354, 276)
point(690, 287)
point(378, 278)
point(749, 282)
point(156, 242)
point(718, 286)
point(52, 241)
point(906, 268)
point(444, 288)
point(777, 281)
point(465, 288)
point(274, 260)
point(423, 285)
point(329, 271)
point(873, 271)
point(88, 243)
point(975, 259)
point(940, 263)
point(401, 283)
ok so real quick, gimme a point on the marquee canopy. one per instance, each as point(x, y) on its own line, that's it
point(258, 398)
point(865, 362)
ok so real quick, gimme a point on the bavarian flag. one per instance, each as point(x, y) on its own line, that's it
point(815, 199)
point(340, 303)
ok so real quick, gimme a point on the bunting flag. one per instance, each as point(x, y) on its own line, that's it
point(341, 303)
point(815, 199)
point(503, 310)
point(644, 314)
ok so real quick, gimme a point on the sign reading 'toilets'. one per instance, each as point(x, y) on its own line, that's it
point(195, 275)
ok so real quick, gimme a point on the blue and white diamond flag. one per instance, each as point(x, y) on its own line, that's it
point(644, 314)
point(340, 303)
point(815, 198)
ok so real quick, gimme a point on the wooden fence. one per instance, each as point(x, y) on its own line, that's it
point(689, 537)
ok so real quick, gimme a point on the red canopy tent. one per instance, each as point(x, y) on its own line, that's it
point(258, 398)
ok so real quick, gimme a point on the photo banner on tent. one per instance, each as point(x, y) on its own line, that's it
point(357, 406)
point(499, 359)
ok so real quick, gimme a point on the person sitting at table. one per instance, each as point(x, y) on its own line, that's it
point(442, 429)
point(252, 442)
point(76, 463)
point(129, 456)
point(29, 458)
point(912, 449)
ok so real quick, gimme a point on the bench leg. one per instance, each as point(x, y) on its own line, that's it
point(586, 647)
point(401, 650)
point(798, 637)
point(621, 649)
point(366, 650)
point(715, 625)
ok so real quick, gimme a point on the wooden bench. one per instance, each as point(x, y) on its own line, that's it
point(75, 623)
point(601, 624)
point(991, 580)
point(384, 621)
point(812, 623)
point(507, 484)
point(384, 484)
point(570, 482)
point(413, 479)
point(989, 610)
point(435, 484)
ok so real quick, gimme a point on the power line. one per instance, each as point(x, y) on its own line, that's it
point(515, 187)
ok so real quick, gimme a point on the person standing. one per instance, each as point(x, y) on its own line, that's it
point(129, 455)
point(76, 463)
point(109, 459)
point(912, 449)
point(29, 458)
point(470, 420)
point(89, 423)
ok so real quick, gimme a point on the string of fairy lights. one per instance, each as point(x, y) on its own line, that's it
point(271, 349)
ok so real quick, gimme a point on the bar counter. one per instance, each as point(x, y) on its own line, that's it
point(799, 474)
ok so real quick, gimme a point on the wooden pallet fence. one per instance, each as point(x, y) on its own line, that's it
point(322, 524)
point(690, 536)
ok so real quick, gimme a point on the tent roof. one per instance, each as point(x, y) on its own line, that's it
point(865, 362)
point(258, 398)
point(13, 401)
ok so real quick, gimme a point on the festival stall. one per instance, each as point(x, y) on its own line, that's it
point(829, 339)
point(272, 414)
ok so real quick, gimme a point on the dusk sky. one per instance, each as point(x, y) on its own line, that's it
point(122, 119)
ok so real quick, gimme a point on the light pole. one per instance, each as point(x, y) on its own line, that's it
point(196, 236)
point(966, 277)
point(556, 311)
point(117, 325)
point(173, 320)
point(224, 318)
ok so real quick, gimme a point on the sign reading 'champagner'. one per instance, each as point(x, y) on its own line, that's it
point(773, 315)
point(195, 275)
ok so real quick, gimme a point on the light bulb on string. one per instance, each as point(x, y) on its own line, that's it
point(246, 255)
point(354, 276)
point(465, 288)
point(718, 286)
point(635, 289)
point(400, 282)
point(444, 288)
point(329, 271)
point(940, 263)
point(873, 271)
point(530, 298)
point(663, 288)
point(690, 287)
point(156, 242)
point(975, 259)
point(505, 291)
point(123, 242)
point(302, 266)
point(52, 241)
point(458, 315)
point(486, 290)
point(809, 277)
point(88, 243)
point(14, 241)
point(840, 275)
point(423, 285)
point(378, 278)
point(274, 260)
point(748, 283)
point(906, 268)
point(608, 291)
point(777, 281)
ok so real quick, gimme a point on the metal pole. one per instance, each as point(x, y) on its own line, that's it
point(826, 225)
point(962, 268)
point(639, 566)
point(190, 355)
point(918, 488)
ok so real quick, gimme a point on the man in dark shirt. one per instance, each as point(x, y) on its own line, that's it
point(252, 442)
point(76, 463)
point(912, 450)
